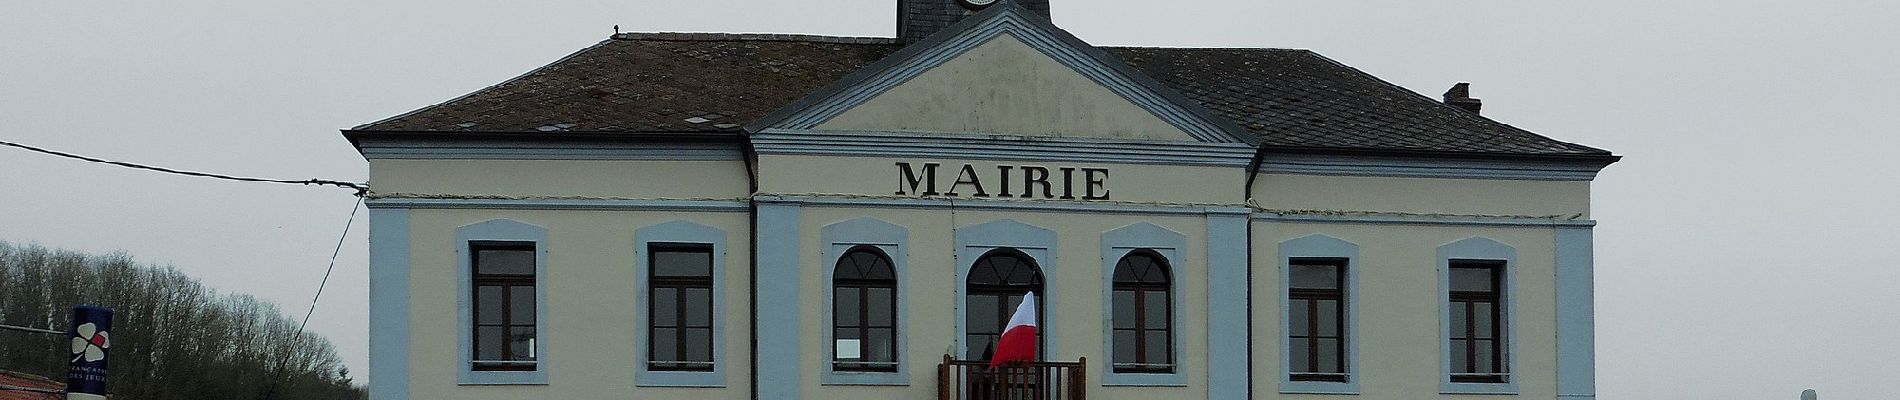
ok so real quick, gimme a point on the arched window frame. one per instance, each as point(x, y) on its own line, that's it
point(1141, 289)
point(1037, 243)
point(1172, 247)
point(1038, 283)
point(864, 286)
point(839, 238)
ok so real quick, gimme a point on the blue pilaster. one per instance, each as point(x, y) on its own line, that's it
point(1576, 315)
point(1227, 335)
point(779, 315)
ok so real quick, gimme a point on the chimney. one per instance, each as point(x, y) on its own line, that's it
point(1460, 95)
point(918, 19)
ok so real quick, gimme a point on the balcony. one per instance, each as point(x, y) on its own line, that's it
point(1047, 380)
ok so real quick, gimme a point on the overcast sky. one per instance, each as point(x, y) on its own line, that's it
point(1745, 248)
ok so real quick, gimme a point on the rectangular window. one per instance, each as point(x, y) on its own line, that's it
point(1316, 315)
point(1477, 335)
point(504, 306)
point(679, 308)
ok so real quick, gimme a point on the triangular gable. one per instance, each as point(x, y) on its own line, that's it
point(1003, 29)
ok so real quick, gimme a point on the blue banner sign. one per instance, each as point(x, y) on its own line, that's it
point(86, 374)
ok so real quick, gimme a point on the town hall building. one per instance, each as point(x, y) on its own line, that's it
point(766, 216)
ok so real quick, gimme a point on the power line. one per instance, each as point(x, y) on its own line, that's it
point(30, 329)
point(360, 188)
point(277, 376)
point(332, 267)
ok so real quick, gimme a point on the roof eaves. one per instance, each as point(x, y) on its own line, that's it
point(356, 136)
point(1604, 158)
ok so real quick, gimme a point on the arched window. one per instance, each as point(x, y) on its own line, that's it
point(1144, 314)
point(864, 311)
point(997, 283)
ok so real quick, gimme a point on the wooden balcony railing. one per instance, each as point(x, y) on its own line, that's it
point(976, 380)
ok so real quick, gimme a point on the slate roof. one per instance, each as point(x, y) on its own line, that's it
point(714, 82)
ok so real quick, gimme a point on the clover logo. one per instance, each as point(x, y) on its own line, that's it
point(90, 343)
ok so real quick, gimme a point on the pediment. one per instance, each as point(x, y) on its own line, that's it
point(1005, 71)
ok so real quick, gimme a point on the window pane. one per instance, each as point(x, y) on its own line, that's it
point(682, 263)
point(665, 344)
point(1125, 272)
point(1297, 356)
point(1022, 275)
point(978, 346)
point(699, 307)
point(1328, 318)
point(1157, 347)
point(848, 303)
point(1329, 355)
point(878, 267)
point(699, 344)
point(1124, 346)
point(504, 262)
point(488, 305)
point(1297, 315)
point(1460, 319)
point(1459, 359)
point(1124, 303)
point(521, 305)
point(521, 342)
point(984, 273)
point(878, 347)
point(488, 343)
point(1465, 279)
point(1313, 276)
point(1154, 273)
point(665, 307)
point(1482, 318)
point(1486, 356)
point(878, 306)
point(981, 315)
point(1156, 312)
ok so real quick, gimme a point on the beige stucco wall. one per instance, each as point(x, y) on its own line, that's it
point(879, 176)
point(1398, 311)
point(1422, 195)
point(587, 178)
point(1005, 86)
point(590, 284)
point(929, 319)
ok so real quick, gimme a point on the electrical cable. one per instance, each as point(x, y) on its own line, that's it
point(277, 375)
point(360, 188)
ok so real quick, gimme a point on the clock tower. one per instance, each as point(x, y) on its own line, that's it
point(918, 19)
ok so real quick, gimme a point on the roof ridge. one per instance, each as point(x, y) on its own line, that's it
point(768, 37)
point(1265, 49)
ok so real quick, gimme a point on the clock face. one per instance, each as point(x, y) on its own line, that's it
point(979, 3)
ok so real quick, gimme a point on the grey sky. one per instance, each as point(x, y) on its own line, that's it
point(1746, 242)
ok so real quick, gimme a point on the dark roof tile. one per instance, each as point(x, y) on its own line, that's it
point(716, 82)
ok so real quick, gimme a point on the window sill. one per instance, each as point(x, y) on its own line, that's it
point(865, 378)
point(1318, 387)
point(1112, 378)
point(1477, 388)
point(697, 379)
point(482, 378)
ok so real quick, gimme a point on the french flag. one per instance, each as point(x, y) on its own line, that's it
point(1018, 343)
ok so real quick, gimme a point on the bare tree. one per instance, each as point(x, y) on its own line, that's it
point(173, 338)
